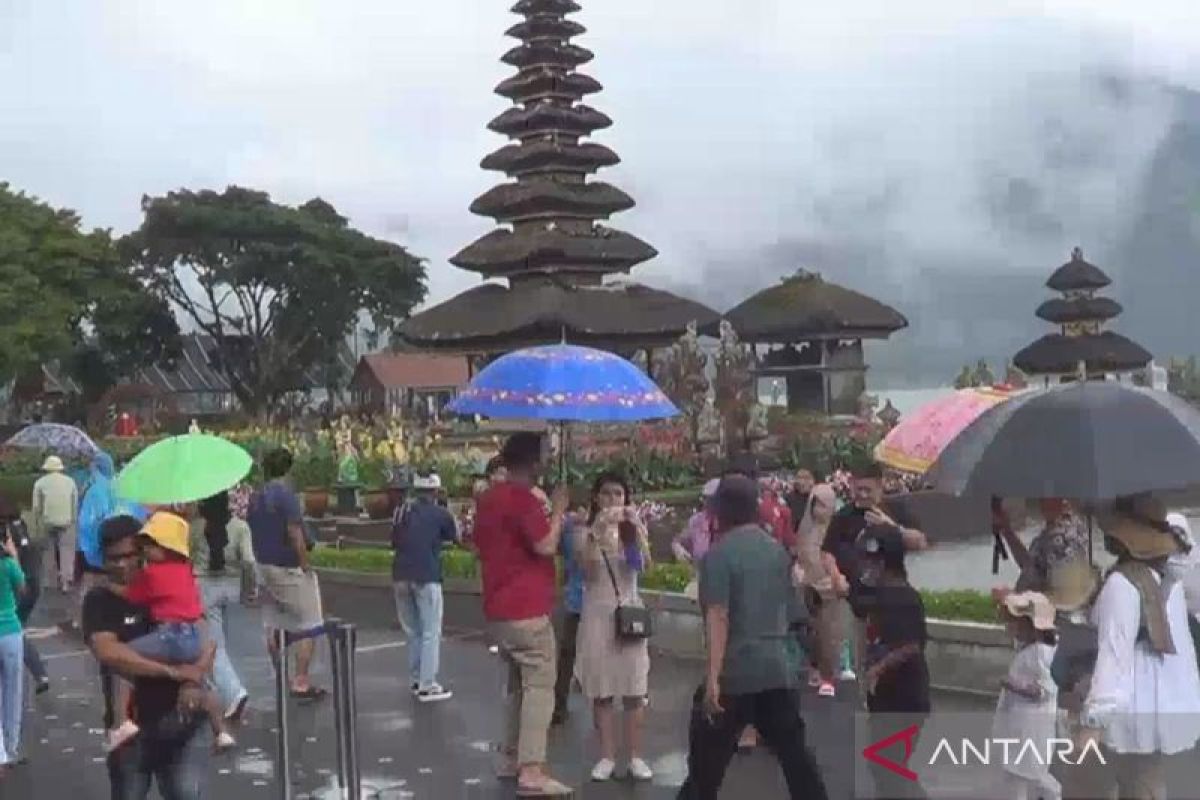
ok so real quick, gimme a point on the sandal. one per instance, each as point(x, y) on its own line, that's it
point(547, 788)
point(311, 694)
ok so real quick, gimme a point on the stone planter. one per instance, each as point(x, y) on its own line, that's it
point(316, 503)
point(378, 504)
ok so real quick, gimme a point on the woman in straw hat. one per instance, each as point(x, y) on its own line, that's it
point(1028, 706)
point(1143, 704)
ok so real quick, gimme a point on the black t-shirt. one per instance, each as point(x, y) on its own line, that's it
point(896, 617)
point(105, 611)
point(841, 538)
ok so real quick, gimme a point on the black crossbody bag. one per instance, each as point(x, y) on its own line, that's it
point(633, 622)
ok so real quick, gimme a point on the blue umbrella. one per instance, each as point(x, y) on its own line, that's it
point(63, 440)
point(564, 383)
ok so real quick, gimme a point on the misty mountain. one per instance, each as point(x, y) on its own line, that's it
point(1107, 162)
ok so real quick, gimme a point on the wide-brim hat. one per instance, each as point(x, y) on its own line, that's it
point(168, 531)
point(52, 464)
point(427, 483)
point(1073, 585)
point(1034, 606)
point(1140, 523)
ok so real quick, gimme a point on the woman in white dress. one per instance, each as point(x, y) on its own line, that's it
point(613, 548)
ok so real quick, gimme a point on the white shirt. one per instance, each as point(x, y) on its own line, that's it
point(1018, 717)
point(1146, 703)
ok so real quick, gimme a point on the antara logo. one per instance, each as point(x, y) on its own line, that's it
point(1007, 752)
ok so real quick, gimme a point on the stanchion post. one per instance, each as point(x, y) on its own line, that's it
point(283, 760)
point(350, 687)
point(338, 666)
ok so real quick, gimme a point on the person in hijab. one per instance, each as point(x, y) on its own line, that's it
point(818, 575)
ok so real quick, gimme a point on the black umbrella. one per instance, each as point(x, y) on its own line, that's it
point(1090, 441)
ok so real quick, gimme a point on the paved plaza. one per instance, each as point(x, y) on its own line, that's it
point(407, 750)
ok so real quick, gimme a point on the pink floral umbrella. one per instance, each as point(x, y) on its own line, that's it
point(914, 444)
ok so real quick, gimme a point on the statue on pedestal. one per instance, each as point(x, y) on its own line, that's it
point(348, 481)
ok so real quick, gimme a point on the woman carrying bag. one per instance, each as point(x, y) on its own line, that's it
point(613, 661)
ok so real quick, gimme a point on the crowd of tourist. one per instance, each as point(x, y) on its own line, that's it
point(809, 585)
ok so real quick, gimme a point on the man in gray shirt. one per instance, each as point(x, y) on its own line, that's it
point(749, 606)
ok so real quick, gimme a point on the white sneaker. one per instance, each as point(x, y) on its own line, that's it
point(603, 771)
point(827, 689)
point(120, 735)
point(847, 675)
point(225, 742)
point(434, 693)
point(639, 770)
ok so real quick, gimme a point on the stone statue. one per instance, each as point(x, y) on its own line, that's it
point(867, 403)
point(889, 415)
point(194, 428)
point(347, 474)
point(710, 422)
point(685, 380)
point(756, 429)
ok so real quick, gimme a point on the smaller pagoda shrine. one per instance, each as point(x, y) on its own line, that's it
point(1081, 339)
point(810, 333)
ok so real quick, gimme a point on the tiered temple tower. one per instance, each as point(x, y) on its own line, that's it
point(552, 248)
point(1081, 315)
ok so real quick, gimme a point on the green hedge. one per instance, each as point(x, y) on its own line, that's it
point(961, 605)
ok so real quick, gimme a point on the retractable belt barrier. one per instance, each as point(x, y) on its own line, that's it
point(343, 641)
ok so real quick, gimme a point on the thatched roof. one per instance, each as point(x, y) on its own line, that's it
point(544, 82)
point(567, 56)
point(600, 250)
point(550, 198)
point(806, 306)
point(1078, 275)
point(550, 156)
point(542, 28)
point(1079, 309)
point(495, 318)
point(549, 118)
point(546, 7)
point(1056, 354)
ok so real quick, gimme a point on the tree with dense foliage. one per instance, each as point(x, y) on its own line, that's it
point(278, 288)
point(1183, 379)
point(65, 292)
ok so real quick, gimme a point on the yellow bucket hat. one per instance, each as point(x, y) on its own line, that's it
point(168, 531)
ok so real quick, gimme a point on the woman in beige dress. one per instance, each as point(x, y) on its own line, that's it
point(610, 669)
point(816, 570)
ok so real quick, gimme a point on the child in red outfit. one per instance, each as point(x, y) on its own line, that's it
point(167, 587)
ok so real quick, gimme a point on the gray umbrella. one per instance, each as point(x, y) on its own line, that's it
point(1090, 441)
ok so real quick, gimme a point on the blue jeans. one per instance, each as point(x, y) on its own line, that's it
point(219, 593)
point(170, 643)
point(11, 699)
point(179, 765)
point(419, 606)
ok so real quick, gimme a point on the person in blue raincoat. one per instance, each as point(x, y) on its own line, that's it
point(99, 503)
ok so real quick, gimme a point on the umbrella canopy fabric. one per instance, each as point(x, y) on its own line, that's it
point(564, 383)
point(1091, 441)
point(183, 469)
point(65, 440)
point(914, 444)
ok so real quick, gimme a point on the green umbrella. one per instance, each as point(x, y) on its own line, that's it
point(183, 469)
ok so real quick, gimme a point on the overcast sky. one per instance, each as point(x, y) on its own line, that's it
point(743, 125)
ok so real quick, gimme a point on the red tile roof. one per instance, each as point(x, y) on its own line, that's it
point(416, 370)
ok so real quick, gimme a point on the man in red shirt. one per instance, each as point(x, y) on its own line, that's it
point(517, 544)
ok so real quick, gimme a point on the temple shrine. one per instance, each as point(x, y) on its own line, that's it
point(1080, 344)
point(551, 267)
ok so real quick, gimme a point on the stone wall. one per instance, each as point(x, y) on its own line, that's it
point(963, 656)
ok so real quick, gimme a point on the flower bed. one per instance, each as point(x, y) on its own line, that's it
point(953, 605)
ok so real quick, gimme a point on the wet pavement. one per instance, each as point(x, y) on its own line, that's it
point(407, 750)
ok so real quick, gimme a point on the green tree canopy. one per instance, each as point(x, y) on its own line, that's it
point(65, 291)
point(278, 288)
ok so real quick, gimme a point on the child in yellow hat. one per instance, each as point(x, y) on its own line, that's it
point(167, 587)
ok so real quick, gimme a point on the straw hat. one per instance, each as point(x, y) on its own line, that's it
point(168, 531)
point(1140, 523)
point(52, 464)
point(1073, 585)
point(1034, 605)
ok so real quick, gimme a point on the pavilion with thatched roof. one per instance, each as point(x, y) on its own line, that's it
point(552, 251)
point(813, 332)
point(1080, 315)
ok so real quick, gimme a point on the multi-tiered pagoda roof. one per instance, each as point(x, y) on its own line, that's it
point(552, 248)
point(1081, 339)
